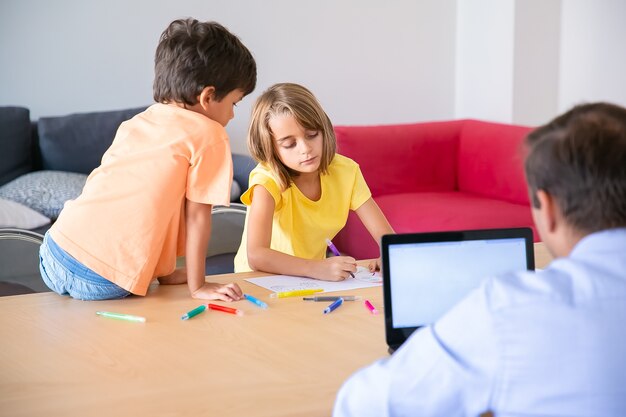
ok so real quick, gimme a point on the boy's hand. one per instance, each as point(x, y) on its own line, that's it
point(214, 291)
point(336, 268)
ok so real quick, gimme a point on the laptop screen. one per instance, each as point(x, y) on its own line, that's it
point(425, 274)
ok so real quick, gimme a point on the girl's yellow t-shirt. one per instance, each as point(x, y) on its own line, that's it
point(301, 226)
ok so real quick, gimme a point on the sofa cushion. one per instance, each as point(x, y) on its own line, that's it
point(15, 143)
point(403, 158)
point(16, 215)
point(434, 211)
point(76, 143)
point(491, 161)
point(44, 191)
point(242, 165)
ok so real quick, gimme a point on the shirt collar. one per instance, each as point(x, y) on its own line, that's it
point(603, 241)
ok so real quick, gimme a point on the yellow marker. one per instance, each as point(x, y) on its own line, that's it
point(297, 293)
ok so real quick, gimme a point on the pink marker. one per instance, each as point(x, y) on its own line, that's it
point(370, 307)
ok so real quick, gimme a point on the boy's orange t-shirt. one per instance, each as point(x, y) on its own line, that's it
point(128, 225)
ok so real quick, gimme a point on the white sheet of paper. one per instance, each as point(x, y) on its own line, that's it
point(363, 278)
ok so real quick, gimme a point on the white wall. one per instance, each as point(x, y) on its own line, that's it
point(484, 59)
point(368, 62)
point(593, 52)
point(536, 61)
point(525, 61)
point(507, 64)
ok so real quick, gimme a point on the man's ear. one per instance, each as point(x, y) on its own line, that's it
point(206, 95)
point(548, 211)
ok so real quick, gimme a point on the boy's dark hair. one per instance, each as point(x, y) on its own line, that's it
point(580, 159)
point(192, 55)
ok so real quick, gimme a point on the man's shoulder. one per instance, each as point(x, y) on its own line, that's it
point(556, 285)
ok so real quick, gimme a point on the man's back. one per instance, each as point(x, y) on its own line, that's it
point(561, 335)
point(544, 344)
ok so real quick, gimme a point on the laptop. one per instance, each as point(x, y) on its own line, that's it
point(425, 274)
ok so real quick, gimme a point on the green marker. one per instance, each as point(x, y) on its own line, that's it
point(194, 312)
point(121, 316)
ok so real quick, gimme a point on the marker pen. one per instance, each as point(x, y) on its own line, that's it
point(334, 250)
point(333, 306)
point(121, 316)
point(370, 307)
point(193, 312)
point(332, 298)
point(295, 293)
point(255, 300)
point(225, 309)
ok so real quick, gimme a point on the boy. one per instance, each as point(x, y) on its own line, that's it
point(545, 343)
point(150, 199)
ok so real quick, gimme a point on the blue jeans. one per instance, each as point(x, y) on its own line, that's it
point(66, 276)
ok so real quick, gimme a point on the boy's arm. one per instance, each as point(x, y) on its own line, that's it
point(262, 258)
point(376, 224)
point(198, 225)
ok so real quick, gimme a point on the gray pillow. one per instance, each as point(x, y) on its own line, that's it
point(16, 215)
point(44, 191)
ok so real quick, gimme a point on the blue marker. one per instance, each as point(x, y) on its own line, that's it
point(333, 306)
point(255, 300)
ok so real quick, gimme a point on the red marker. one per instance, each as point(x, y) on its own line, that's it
point(225, 309)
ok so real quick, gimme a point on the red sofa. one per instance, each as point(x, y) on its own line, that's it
point(454, 175)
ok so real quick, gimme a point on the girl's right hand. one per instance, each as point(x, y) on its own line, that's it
point(336, 268)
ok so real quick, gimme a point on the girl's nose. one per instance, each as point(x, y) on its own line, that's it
point(304, 147)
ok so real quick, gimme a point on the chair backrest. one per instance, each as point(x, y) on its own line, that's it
point(19, 260)
point(226, 229)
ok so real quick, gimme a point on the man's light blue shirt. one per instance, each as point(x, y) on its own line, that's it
point(549, 343)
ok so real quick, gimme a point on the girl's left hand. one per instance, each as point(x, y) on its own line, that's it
point(375, 265)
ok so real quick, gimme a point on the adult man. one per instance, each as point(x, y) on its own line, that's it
point(531, 344)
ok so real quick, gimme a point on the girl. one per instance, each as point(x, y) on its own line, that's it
point(301, 191)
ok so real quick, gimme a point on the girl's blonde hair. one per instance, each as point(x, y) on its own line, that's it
point(299, 102)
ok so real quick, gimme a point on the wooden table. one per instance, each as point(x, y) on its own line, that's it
point(542, 256)
point(59, 359)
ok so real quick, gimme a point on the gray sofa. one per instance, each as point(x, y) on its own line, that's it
point(44, 163)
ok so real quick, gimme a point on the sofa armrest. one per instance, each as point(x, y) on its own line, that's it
point(15, 143)
point(403, 158)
